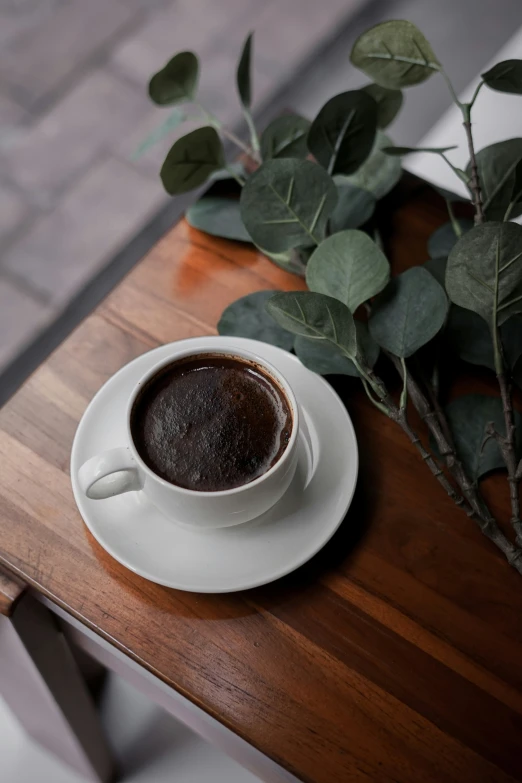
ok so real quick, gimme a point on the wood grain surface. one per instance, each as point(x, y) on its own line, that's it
point(11, 590)
point(394, 655)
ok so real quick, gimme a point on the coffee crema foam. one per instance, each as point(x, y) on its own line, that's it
point(211, 422)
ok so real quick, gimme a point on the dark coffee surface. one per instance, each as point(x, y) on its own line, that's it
point(211, 423)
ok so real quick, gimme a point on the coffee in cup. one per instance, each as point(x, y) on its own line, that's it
point(211, 422)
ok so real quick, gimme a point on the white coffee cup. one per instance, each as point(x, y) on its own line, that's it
point(122, 469)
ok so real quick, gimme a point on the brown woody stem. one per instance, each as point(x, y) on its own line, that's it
point(477, 508)
point(474, 183)
point(399, 416)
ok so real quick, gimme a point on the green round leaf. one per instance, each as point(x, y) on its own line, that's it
point(219, 217)
point(285, 137)
point(247, 317)
point(243, 80)
point(497, 165)
point(505, 77)
point(355, 207)
point(342, 135)
point(468, 416)
point(348, 266)
point(388, 102)
point(315, 315)
point(484, 271)
point(325, 358)
point(177, 81)
point(409, 312)
point(442, 241)
point(379, 173)
point(286, 203)
point(191, 160)
point(394, 54)
point(398, 152)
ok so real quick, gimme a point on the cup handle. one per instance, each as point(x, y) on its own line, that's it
point(110, 473)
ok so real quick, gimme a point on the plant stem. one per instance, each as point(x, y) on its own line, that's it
point(454, 222)
point(216, 122)
point(478, 510)
point(235, 175)
point(404, 393)
point(507, 447)
point(475, 94)
point(399, 416)
point(454, 95)
point(460, 174)
point(475, 181)
point(254, 138)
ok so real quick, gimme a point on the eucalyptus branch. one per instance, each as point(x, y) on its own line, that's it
point(218, 125)
point(478, 509)
point(475, 181)
point(254, 138)
point(454, 222)
point(475, 94)
point(454, 96)
point(404, 393)
point(460, 174)
point(235, 175)
point(399, 416)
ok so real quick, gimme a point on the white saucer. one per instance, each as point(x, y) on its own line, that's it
point(136, 534)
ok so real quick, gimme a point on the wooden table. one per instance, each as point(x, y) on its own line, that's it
point(395, 655)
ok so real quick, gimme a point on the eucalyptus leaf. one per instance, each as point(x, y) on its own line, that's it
point(398, 152)
point(442, 241)
point(409, 312)
point(219, 217)
point(355, 207)
point(177, 81)
point(325, 358)
point(286, 203)
point(469, 337)
point(191, 160)
point(505, 76)
point(484, 271)
point(247, 317)
point(342, 135)
point(394, 54)
point(243, 79)
point(315, 315)
point(379, 173)
point(388, 102)
point(468, 416)
point(175, 118)
point(285, 137)
point(348, 266)
point(497, 173)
